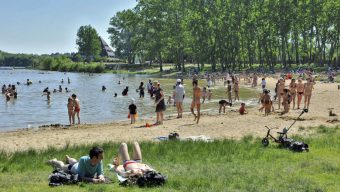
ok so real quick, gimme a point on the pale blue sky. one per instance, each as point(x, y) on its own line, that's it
point(50, 26)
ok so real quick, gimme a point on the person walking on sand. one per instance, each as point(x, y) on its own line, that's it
point(76, 107)
point(230, 100)
point(308, 87)
point(160, 104)
point(70, 106)
point(179, 97)
point(236, 90)
point(196, 101)
point(292, 90)
point(300, 88)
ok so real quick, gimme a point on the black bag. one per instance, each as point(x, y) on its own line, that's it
point(151, 179)
point(173, 136)
point(299, 146)
point(58, 178)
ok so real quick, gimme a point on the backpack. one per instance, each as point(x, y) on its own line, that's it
point(151, 179)
point(59, 177)
point(299, 146)
point(173, 136)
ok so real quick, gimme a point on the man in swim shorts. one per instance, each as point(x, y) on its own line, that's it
point(196, 100)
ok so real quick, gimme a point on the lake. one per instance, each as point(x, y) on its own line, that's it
point(32, 109)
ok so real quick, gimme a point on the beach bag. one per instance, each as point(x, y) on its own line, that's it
point(59, 177)
point(173, 136)
point(151, 179)
point(299, 146)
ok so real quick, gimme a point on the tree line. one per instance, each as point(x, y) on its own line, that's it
point(229, 34)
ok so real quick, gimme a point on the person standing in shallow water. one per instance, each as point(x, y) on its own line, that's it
point(196, 101)
point(76, 107)
point(70, 106)
point(141, 90)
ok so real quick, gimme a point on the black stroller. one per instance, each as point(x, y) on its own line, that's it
point(283, 139)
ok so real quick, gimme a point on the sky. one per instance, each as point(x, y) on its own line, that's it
point(50, 26)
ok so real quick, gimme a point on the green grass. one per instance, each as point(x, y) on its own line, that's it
point(224, 165)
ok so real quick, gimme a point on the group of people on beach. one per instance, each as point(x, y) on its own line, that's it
point(287, 94)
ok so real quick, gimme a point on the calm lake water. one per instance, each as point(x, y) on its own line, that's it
point(31, 109)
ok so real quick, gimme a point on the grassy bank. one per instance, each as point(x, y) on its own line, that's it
point(226, 165)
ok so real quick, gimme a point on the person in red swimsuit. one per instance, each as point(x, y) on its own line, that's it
point(76, 107)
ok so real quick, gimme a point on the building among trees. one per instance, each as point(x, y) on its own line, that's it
point(106, 49)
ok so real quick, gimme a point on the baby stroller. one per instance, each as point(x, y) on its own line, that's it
point(283, 139)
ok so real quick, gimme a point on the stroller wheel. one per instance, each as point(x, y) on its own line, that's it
point(265, 142)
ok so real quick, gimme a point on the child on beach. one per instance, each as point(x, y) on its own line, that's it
point(204, 94)
point(209, 94)
point(70, 106)
point(170, 100)
point(242, 109)
point(132, 112)
point(76, 107)
point(300, 88)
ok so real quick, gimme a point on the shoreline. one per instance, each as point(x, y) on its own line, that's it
point(230, 125)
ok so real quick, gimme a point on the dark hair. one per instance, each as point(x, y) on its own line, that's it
point(195, 82)
point(95, 151)
point(74, 95)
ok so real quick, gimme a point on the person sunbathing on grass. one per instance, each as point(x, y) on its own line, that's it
point(130, 167)
point(89, 168)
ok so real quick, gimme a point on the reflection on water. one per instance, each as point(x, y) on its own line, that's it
point(32, 109)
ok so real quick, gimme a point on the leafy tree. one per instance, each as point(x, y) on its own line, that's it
point(88, 42)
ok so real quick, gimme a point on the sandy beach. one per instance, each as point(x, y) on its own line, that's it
point(212, 124)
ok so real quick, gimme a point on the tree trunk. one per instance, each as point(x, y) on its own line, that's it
point(160, 62)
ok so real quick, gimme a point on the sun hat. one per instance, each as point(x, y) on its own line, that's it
point(179, 80)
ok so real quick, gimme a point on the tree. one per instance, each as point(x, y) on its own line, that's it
point(88, 42)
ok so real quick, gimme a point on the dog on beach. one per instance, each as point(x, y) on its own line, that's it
point(222, 103)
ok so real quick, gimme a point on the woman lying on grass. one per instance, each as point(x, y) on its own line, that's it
point(133, 167)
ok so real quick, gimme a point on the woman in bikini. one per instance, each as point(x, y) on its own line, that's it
point(130, 167)
point(292, 89)
point(300, 88)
